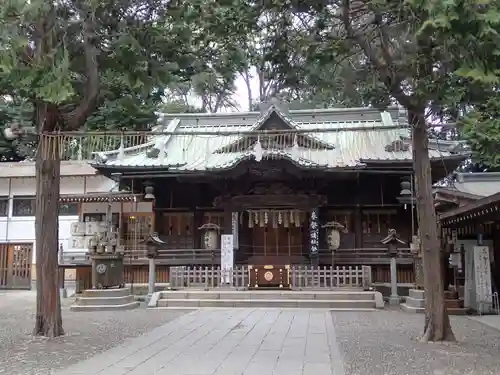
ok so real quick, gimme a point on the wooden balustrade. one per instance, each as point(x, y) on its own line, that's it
point(301, 277)
point(175, 257)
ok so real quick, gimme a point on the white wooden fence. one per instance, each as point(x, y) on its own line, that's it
point(301, 277)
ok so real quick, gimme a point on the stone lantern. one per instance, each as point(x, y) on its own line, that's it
point(152, 244)
point(392, 241)
point(406, 194)
point(211, 236)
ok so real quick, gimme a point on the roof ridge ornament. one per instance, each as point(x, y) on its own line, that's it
point(274, 103)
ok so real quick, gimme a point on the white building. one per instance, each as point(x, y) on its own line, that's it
point(17, 210)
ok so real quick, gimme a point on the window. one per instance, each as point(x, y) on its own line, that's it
point(68, 209)
point(379, 221)
point(4, 206)
point(23, 206)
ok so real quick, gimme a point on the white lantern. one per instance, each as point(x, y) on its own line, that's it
point(211, 236)
point(333, 230)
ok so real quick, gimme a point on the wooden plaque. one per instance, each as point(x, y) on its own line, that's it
point(269, 276)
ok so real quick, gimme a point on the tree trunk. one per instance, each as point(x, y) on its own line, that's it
point(437, 323)
point(48, 172)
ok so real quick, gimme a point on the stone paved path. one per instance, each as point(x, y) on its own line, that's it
point(227, 342)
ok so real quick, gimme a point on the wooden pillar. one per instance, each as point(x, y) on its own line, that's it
point(305, 235)
point(228, 221)
point(358, 218)
point(158, 221)
point(358, 228)
point(197, 233)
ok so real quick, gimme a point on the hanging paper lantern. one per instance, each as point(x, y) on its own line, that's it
point(333, 230)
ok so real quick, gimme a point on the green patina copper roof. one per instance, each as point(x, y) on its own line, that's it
point(352, 137)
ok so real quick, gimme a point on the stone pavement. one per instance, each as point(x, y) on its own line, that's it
point(227, 342)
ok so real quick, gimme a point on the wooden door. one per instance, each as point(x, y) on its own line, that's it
point(4, 266)
point(15, 266)
point(259, 241)
point(21, 266)
point(277, 241)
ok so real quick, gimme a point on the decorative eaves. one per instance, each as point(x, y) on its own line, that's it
point(243, 142)
point(104, 197)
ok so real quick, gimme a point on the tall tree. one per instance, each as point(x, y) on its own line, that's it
point(65, 57)
point(414, 52)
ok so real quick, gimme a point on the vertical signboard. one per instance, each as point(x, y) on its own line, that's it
point(227, 258)
point(482, 276)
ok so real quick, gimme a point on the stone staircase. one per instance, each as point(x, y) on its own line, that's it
point(348, 300)
point(415, 303)
point(105, 300)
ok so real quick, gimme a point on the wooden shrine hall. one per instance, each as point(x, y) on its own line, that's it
point(299, 187)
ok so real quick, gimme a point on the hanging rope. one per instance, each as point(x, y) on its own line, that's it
point(191, 142)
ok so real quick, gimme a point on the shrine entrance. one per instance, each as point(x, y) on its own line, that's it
point(277, 236)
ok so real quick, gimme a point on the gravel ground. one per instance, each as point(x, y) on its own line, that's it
point(373, 343)
point(386, 343)
point(87, 333)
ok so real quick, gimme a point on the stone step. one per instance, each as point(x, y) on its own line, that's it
point(450, 303)
point(413, 302)
point(421, 310)
point(127, 306)
point(450, 294)
point(98, 301)
point(411, 309)
point(453, 303)
point(284, 303)
point(117, 292)
point(416, 294)
point(269, 295)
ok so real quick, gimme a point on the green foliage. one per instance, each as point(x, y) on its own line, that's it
point(110, 62)
point(12, 112)
point(481, 129)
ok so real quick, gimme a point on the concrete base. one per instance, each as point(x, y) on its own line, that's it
point(394, 300)
point(415, 303)
point(352, 300)
point(411, 309)
point(105, 300)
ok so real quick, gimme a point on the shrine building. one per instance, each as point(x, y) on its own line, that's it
point(299, 187)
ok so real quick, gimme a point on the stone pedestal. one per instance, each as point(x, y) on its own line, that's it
point(105, 300)
point(415, 302)
point(107, 270)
